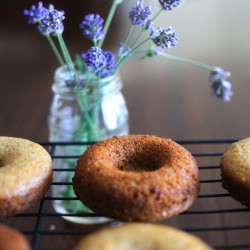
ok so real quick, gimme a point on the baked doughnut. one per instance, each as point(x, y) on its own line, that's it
point(25, 174)
point(11, 239)
point(136, 178)
point(141, 236)
point(235, 170)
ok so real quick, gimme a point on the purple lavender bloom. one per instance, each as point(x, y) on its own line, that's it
point(35, 14)
point(140, 15)
point(52, 22)
point(167, 38)
point(92, 27)
point(171, 4)
point(221, 87)
point(95, 59)
point(110, 64)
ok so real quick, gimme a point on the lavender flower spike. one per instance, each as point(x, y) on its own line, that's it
point(171, 4)
point(167, 38)
point(140, 15)
point(35, 14)
point(92, 27)
point(221, 87)
point(95, 59)
point(52, 22)
point(110, 64)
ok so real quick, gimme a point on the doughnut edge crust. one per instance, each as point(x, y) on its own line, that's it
point(141, 236)
point(25, 174)
point(168, 190)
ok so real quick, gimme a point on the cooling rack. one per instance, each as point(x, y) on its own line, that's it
point(215, 217)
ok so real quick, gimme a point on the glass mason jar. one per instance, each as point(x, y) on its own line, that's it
point(82, 114)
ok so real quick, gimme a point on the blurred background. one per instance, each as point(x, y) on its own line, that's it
point(164, 98)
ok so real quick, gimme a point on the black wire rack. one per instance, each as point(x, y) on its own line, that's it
point(215, 216)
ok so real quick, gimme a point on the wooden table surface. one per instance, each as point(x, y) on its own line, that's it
point(164, 98)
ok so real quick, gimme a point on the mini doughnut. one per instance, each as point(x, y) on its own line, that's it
point(11, 239)
point(25, 174)
point(141, 236)
point(235, 170)
point(136, 178)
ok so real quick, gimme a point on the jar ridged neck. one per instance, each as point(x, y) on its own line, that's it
point(105, 87)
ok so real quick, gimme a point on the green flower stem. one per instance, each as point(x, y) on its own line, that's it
point(134, 46)
point(185, 60)
point(135, 43)
point(137, 40)
point(67, 58)
point(157, 14)
point(82, 105)
point(54, 48)
point(123, 59)
point(140, 44)
point(127, 38)
point(128, 35)
point(87, 127)
point(108, 21)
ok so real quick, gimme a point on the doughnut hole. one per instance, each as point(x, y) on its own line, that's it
point(148, 160)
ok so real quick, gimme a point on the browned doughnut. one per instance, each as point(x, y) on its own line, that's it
point(25, 174)
point(136, 178)
point(141, 236)
point(11, 239)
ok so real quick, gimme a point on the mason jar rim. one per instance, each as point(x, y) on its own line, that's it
point(108, 84)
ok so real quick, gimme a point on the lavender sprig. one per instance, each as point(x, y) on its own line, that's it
point(165, 38)
point(218, 76)
point(35, 16)
point(97, 63)
point(52, 23)
point(92, 27)
point(140, 15)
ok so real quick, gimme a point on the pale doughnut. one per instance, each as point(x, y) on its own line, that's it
point(25, 174)
point(141, 236)
point(235, 170)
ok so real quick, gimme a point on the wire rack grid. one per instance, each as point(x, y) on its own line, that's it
point(215, 217)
